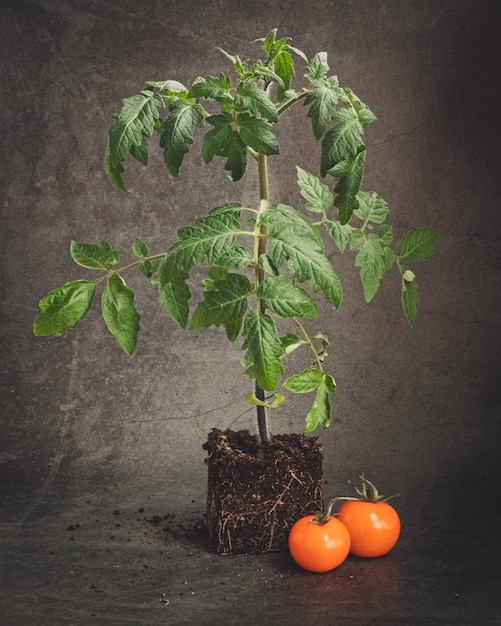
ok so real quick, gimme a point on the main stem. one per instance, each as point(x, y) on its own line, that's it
point(263, 206)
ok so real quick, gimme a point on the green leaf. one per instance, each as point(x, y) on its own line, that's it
point(212, 237)
point(175, 295)
point(318, 67)
point(94, 256)
point(284, 67)
point(211, 88)
point(256, 134)
point(286, 299)
point(263, 350)
point(134, 121)
point(292, 242)
point(317, 195)
point(291, 342)
point(320, 413)
point(238, 64)
point(139, 249)
point(119, 313)
point(410, 299)
point(341, 141)
point(418, 244)
point(286, 216)
point(63, 308)
point(323, 99)
point(224, 141)
point(177, 131)
point(373, 259)
point(114, 171)
point(278, 399)
point(385, 234)
point(256, 101)
point(371, 207)
point(340, 233)
point(266, 264)
point(168, 87)
point(348, 186)
point(365, 115)
point(224, 304)
point(305, 382)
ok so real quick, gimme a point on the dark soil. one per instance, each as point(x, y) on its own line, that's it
point(257, 491)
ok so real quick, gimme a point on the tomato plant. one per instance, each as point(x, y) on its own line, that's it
point(319, 543)
point(372, 523)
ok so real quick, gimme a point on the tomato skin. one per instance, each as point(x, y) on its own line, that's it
point(374, 527)
point(319, 547)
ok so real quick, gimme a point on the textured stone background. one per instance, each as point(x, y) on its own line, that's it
point(415, 409)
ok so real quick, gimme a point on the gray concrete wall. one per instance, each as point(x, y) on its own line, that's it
point(415, 408)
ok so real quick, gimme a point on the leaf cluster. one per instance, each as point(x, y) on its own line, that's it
point(264, 265)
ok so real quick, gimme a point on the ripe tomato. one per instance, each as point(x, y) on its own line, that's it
point(374, 527)
point(317, 546)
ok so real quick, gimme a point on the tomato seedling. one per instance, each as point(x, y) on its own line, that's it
point(319, 543)
point(372, 523)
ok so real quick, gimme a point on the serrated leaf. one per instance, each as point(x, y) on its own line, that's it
point(340, 233)
point(211, 88)
point(168, 86)
point(208, 241)
point(320, 413)
point(305, 382)
point(285, 299)
point(290, 242)
point(418, 244)
point(119, 313)
point(140, 152)
point(372, 259)
point(318, 67)
point(139, 248)
point(341, 141)
point(224, 141)
point(365, 115)
point(175, 295)
point(371, 207)
point(114, 171)
point(410, 299)
point(62, 308)
point(263, 350)
point(314, 191)
point(177, 131)
point(94, 256)
point(256, 134)
point(323, 101)
point(348, 186)
point(289, 217)
point(256, 101)
point(238, 64)
point(224, 304)
point(385, 234)
point(134, 121)
point(146, 268)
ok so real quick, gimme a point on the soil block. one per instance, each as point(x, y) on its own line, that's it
point(257, 491)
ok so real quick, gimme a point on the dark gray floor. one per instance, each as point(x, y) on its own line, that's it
point(98, 558)
point(102, 479)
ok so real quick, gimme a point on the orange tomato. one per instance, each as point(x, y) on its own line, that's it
point(317, 546)
point(374, 527)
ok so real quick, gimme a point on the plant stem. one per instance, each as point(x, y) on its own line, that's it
point(262, 164)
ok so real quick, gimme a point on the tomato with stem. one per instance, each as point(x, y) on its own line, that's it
point(373, 523)
point(319, 543)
